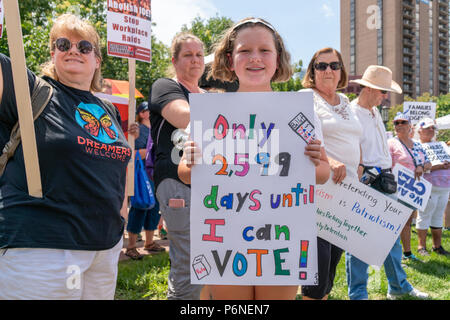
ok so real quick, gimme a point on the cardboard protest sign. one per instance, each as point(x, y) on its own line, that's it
point(252, 197)
point(129, 29)
point(437, 152)
point(413, 192)
point(419, 110)
point(121, 104)
point(359, 219)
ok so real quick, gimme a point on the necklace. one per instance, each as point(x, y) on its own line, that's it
point(340, 109)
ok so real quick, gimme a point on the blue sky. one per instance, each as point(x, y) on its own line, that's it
point(305, 25)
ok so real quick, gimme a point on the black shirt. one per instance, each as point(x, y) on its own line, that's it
point(163, 91)
point(83, 156)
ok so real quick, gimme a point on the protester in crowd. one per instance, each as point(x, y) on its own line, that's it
point(375, 83)
point(65, 245)
point(253, 43)
point(147, 218)
point(439, 177)
point(341, 131)
point(169, 111)
point(411, 155)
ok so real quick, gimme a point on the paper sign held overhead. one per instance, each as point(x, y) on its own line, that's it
point(419, 110)
point(129, 29)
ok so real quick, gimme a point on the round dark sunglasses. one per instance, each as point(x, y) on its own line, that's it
point(322, 66)
point(64, 44)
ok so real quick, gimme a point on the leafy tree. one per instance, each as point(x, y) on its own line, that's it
point(294, 83)
point(209, 31)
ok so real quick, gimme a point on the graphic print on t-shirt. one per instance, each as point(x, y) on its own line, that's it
point(96, 122)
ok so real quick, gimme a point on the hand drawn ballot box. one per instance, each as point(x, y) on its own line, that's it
point(201, 267)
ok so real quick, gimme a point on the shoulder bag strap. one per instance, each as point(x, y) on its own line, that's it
point(40, 96)
point(407, 149)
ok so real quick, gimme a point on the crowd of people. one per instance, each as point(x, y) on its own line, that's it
point(78, 222)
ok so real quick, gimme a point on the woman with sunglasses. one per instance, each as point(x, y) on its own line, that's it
point(65, 245)
point(432, 216)
point(411, 155)
point(341, 132)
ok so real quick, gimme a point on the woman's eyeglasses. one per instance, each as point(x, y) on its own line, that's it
point(64, 44)
point(322, 66)
point(396, 123)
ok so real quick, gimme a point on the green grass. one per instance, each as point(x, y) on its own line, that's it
point(147, 279)
point(144, 279)
point(432, 275)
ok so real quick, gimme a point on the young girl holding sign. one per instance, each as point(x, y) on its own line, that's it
point(253, 52)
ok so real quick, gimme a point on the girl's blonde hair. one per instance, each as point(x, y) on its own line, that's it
point(309, 79)
point(71, 24)
point(220, 69)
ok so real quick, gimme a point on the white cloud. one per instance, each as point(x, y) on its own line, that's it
point(170, 15)
point(327, 11)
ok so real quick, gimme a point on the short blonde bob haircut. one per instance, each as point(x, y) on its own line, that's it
point(220, 69)
point(72, 25)
point(309, 81)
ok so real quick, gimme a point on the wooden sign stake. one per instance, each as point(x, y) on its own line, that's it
point(23, 99)
point(131, 117)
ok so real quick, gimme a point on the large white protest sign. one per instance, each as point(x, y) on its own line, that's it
point(359, 219)
point(253, 200)
point(437, 152)
point(129, 29)
point(419, 110)
point(411, 191)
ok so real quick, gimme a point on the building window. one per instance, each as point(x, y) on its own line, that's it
point(430, 19)
point(380, 34)
point(418, 48)
point(352, 37)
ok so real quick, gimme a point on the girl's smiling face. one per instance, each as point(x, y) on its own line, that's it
point(254, 59)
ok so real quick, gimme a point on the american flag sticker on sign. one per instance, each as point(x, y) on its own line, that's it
point(303, 127)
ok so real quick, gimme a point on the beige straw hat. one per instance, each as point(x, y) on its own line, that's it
point(379, 77)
